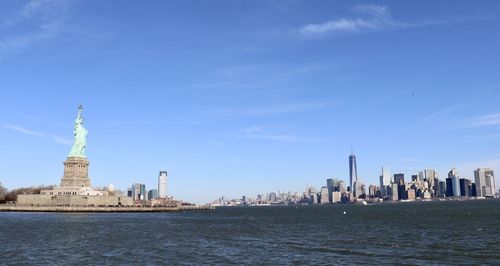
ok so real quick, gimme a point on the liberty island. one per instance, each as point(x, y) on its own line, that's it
point(76, 194)
point(75, 188)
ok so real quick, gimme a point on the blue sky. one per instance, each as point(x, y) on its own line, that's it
point(242, 97)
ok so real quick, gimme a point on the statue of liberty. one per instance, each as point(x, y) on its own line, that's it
point(78, 149)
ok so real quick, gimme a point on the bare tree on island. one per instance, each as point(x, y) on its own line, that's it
point(3, 192)
point(12, 195)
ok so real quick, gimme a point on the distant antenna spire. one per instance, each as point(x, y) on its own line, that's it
point(352, 151)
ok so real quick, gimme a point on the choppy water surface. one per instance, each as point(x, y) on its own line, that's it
point(414, 233)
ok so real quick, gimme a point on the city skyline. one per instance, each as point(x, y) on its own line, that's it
point(424, 186)
point(231, 101)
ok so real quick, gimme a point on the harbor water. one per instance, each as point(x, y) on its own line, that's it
point(452, 232)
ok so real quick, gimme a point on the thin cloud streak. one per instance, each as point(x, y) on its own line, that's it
point(215, 143)
point(17, 43)
point(33, 8)
point(256, 132)
point(376, 18)
point(487, 120)
point(24, 130)
point(45, 20)
point(482, 121)
point(129, 124)
point(251, 77)
point(275, 110)
point(62, 140)
point(373, 17)
point(439, 113)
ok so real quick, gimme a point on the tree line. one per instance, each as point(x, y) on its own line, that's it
point(8, 196)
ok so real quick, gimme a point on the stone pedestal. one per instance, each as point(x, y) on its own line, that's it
point(76, 172)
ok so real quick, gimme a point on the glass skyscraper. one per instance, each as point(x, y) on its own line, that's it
point(455, 182)
point(353, 171)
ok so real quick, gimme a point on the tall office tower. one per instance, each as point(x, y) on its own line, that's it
point(436, 185)
point(449, 187)
point(382, 189)
point(399, 179)
point(162, 184)
point(464, 187)
point(310, 191)
point(337, 196)
point(314, 198)
point(490, 182)
point(430, 176)
point(421, 176)
point(139, 191)
point(442, 188)
point(455, 182)
point(153, 194)
point(353, 171)
point(394, 192)
point(386, 173)
point(485, 182)
point(330, 184)
point(324, 195)
point(372, 191)
point(340, 186)
point(272, 197)
point(359, 189)
point(473, 189)
point(385, 180)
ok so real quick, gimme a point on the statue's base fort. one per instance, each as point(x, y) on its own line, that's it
point(74, 191)
point(44, 200)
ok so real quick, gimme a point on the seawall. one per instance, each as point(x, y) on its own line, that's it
point(13, 208)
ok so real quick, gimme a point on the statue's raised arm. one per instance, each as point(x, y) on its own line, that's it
point(80, 109)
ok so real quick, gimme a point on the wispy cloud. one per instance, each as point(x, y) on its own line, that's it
point(24, 130)
point(408, 160)
point(35, 22)
point(62, 140)
point(20, 42)
point(256, 132)
point(215, 143)
point(255, 76)
point(275, 109)
point(485, 120)
point(439, 113)
point(371, 17)
point(483, 137)
point(129, 123)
